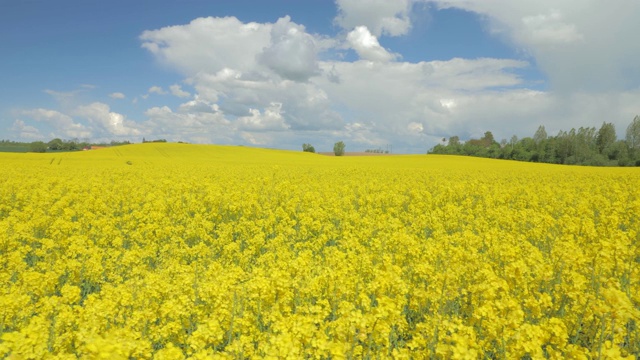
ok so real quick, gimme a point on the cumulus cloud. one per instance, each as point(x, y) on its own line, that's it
point(176, 90)
point(196, 121)
point(292, 53)
point(580, 45)
point(23, 131)
point(108, 122)
point(209, 44)
point(305, 106)
point(367, 46)
point(198, 105)
point(269, 120)
point(381, 17)
point(412, 101)
point(550, 29)
point(62, 124)
point(117, 95)
point(156, 90)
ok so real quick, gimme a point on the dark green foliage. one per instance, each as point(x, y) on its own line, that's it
point(13, 146)
point(308, 148)
point(606, 138)
point(56, 144)
point(338, 148)
point(38, 147)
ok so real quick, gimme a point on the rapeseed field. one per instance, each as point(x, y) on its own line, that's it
point(172, 251)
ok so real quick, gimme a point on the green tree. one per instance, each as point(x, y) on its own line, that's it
point(70, 145)
point(38, 146)
point(338, 148)
point(633, 133)
point(308, 148)
point(563, 147)
point(55, 144)
point(550, 150)
point(540, 135)
point(633, 138)
point(488, 139)
point(620, 152)
point(606, 138)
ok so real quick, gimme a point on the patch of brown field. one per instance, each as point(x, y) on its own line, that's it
point(356, 153)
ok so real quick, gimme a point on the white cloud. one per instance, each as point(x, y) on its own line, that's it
point(176, 90)
point(408, 102)
point(382, 17)
point(105, 121)
point(415, 127)
point(198, 106)
point(194, 122)
point(550, 29)
point(305, 106)
point(292, 53)
point(270, 120)
point(117, 95)
point(209, 44)
point(47, 115)
point(62, 124)
point(156, 90)
point(24, 131)
point(581, 45)
point(367, 46)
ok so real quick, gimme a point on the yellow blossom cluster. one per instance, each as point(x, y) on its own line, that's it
point(172, 251)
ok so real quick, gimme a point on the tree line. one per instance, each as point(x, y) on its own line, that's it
point(54, 145)
point(584, 146)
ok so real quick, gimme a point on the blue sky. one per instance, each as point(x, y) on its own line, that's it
point(282, 73)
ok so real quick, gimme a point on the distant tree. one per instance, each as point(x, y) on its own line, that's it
point(548, 152)
point(488, 139)
point(525, 150)
point(540, 135)
point(38, 147)
point(439, 149)
point(308, 148)
point(454, 141)
point(338, 148)
point(55, 144)
point(70, 145)
point(472, 147)
point(620, 153)
point(605, 138)
point(633, 138)
point(585, 141)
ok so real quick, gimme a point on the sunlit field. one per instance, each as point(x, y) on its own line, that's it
point(172, 251)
